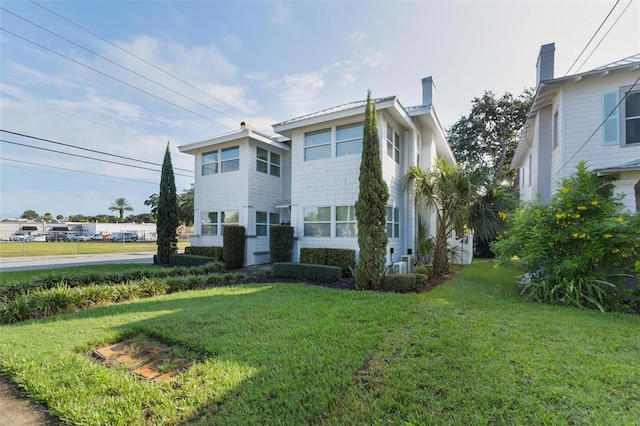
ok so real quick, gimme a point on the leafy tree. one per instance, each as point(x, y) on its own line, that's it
point(152, 202)
point(47, 216)
point(575, 246)
point(167, 222)
point(447, 190)
point(120, 205)
point(141, 218)
point(60, 218)
point(186, 206)
point(488, 136)
point(30, 215)
point(371, 210)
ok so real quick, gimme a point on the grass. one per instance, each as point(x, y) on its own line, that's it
point(32, 275)
point(20, 248)
point(469, 352)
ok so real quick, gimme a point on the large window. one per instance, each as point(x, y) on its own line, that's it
point(227, 160)
point(393, 222)
point(210, 163)
point(347, 139)
point(210, 223)
point(317, 221)
point(267, 162)
point(393, 144)
point(230, 159)
point(632, 118)
point(346, 224)
point(263, 220)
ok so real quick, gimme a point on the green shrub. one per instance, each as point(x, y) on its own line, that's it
point(425, 270)
point(345, 259)
point(233, 241)
point(281, 243)
point(305, 271)
point(213, 252)
point(405, 283)
point(572, 247)
point(188, 260)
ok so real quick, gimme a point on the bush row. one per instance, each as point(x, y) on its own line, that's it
point(321, 273)
point(62, 298)
point(405, 283)
point(11, 290)
point(213, 252)
point(345, 259)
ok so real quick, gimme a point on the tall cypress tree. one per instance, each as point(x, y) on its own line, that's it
point(167, 223)
point(371, 207)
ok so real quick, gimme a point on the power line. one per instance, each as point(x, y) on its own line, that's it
point(626, 95)
point(114, 78)
point(84, 156)
point(592, 37)
point(144, 60)
point(604, 36)
point(87, 149)
point(119, 65)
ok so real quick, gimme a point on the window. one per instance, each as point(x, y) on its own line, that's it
point(317, 145)
point(210, 223)
point(632, 118)
point(317, 221)
point(267, 162)
point(346, 224)
point(610, 117)
point(393, 222)
point(210, 163)
point(263, 220)
point(230, 159)
point(393, 144)
point(555, 129)
point(349, 139)
point(230, 217)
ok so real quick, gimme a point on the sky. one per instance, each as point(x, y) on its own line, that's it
point(112, 83)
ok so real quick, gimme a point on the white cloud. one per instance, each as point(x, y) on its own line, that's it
point(280, 15)
point(298, 91)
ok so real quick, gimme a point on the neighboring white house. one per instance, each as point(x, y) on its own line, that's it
point(307, 176)
point(594, 117)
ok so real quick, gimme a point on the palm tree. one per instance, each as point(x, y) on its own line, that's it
point(120, 205)
point(447, 190)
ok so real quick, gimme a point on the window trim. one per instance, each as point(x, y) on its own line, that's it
point(333, 143)
point(316, 222)
point(220, 222)
point(394, 222)
point(555, 128)
point(626, 92)
point(272, 167)
point(224, 161)
point(270, 216)
point(350, 221)
point(393, 144)
point(209, 163)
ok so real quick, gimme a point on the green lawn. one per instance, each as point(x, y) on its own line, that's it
point(469, 352)
point(20, 248)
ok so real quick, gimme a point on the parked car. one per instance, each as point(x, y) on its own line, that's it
point(18, 236)
point(57, 236)
point(124, 237)
point(99, 237)
point(80, 237)
point(36, 237)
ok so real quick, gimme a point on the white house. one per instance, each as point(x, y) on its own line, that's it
point(592, 116)
point(307, 176)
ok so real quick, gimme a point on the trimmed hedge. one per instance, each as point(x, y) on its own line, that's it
point(214, 252)
point(425, 270)
point(188, 260)
point(233, 243)
point(281, 243)
point(345, 259)
point(405, 283)
point(322, 273)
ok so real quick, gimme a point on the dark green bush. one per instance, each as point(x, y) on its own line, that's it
point(425, 270)
point(305, 271)
point(188, 260)
point(405, 283)
point(213, 252)
point(281, 243)
point(345, 259)
point(233, 242)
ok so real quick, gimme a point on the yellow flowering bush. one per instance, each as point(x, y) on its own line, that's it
point(572, 253)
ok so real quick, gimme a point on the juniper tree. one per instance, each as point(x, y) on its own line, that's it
point(371, 207)
point(167, 223)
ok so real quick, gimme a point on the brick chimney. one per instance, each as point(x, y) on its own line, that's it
point(428, 91)
point(544, 67)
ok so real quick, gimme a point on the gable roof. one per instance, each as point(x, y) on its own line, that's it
point(548, 89)
point(244, 132)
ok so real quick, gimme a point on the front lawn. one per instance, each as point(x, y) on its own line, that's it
point(469, 352)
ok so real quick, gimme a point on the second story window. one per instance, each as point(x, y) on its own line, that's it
point(349, 139)
point(632, 118)
point(319, 144)
point(267, 162)
point(210, 163)
point(393, 144)
point(230, 159)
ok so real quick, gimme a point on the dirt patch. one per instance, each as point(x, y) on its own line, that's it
point(18, 410)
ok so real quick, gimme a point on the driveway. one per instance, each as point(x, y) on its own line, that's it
point(8, 264)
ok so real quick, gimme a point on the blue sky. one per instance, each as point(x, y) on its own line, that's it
point(260, 62)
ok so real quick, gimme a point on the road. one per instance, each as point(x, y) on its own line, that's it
point(8, 264)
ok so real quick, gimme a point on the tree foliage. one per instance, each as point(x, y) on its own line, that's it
point(167, 222)
point(120, 205)
point(488, 136)
point(30, 215)
point(447, 190)
point(371, 210)
point(185, 206)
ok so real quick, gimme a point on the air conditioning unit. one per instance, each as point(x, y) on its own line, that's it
point(408, 258)
point(399, 268)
